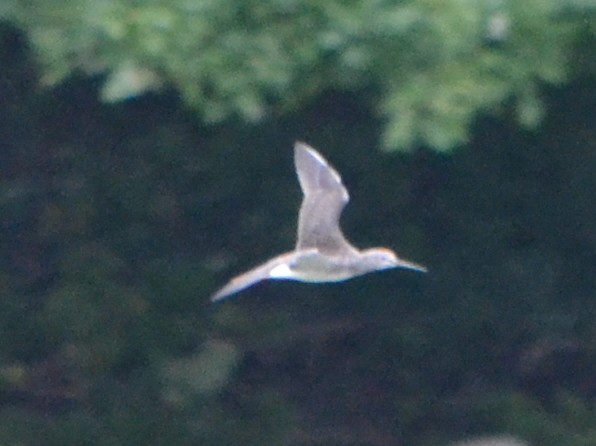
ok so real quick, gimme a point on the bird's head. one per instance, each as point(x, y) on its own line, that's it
point(383, 258)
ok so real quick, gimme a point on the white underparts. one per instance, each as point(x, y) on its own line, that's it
point(282, 271)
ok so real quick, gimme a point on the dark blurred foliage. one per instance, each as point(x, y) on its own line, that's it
point(119, 221)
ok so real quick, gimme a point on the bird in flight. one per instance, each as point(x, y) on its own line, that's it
point(322, 253)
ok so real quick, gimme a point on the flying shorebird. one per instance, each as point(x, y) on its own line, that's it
point(322, 253)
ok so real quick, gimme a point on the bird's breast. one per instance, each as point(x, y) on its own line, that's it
point(319, 268)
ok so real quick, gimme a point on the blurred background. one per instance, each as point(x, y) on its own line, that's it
point(146, 157)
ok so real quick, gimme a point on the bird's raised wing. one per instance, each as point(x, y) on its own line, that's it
point(324, 199)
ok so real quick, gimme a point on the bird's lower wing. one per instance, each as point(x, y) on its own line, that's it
point(247, 279)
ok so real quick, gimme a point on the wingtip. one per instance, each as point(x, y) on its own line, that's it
point(304, 150)
point(300, 146)
point(221, 294)
point(216, 297)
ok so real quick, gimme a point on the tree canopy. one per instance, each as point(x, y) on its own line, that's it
point(429, 67)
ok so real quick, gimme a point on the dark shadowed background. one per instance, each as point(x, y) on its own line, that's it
point(146, 157)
